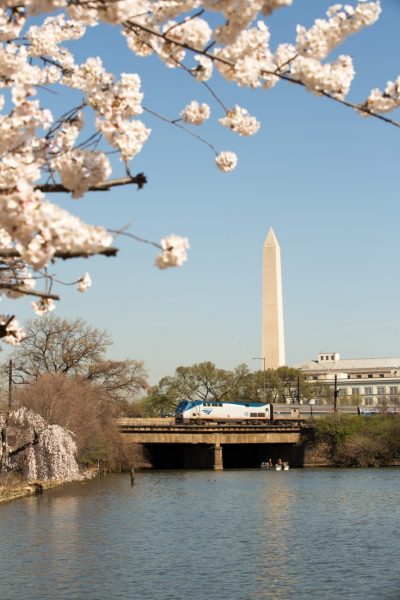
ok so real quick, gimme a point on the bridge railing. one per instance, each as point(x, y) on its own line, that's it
point(210, 428)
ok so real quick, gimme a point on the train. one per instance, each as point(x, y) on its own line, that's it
point(199, 411)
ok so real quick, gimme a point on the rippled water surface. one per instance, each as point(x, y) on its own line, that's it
point(194, 535)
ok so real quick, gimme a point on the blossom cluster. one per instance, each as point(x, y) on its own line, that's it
point(174, 252)
point(13, 334)
point(50, 449)
point(41, 151)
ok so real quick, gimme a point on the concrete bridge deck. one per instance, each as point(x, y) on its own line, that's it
point(215, 436)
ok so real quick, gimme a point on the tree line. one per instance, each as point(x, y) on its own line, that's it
point(205, 381)
point(61, 374)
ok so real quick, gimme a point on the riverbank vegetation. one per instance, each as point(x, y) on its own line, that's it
point(354, 441)
point(63, 383)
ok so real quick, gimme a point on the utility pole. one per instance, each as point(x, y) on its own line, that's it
point(335, 395)
point(298, 390)
point(10, 368)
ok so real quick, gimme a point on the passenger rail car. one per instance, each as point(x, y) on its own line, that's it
point(198, 411)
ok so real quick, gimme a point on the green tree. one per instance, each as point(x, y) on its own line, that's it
point(202, 381)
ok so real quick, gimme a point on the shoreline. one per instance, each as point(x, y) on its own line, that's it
point(34, 488)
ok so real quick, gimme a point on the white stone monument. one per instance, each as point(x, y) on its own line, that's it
point(273, 343)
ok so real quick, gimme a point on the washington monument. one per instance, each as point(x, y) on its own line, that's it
point(273, 343)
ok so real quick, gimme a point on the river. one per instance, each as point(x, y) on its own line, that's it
point(202, 535)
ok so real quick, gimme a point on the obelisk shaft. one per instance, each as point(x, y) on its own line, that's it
point(272, 306)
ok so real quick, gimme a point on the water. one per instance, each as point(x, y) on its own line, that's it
point(201, 535)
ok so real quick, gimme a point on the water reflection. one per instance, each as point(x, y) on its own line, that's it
point(237, 535)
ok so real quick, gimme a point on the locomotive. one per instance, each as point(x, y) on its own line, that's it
point(199, 411)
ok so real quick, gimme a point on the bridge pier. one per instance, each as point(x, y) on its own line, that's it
point(218, 461)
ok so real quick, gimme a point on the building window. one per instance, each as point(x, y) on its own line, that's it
point(393, 389)
point(355, 391)
point(368, 391)
point(381, 374)
point(370, 375)
point(368, 401)
point(332, 357)
point(315, 378)
point(381, 389)
point(358, 376)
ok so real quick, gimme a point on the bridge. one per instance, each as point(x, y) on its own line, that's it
point(209, 445)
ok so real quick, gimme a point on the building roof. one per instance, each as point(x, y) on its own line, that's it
point(351, 364)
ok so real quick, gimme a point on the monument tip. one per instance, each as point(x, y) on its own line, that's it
point(271, 238)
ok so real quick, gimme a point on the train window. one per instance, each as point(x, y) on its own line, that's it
point(261, 414)
point(253, 415)
point(246, 405)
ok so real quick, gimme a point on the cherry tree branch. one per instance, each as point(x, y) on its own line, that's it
point(12, 253)
point(17, 289)
point(357, 107)
point(140, 180)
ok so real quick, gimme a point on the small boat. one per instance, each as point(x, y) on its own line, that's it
point(266, 465)
point(282, 466)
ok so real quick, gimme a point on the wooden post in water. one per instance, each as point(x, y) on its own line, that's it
point(132, 476)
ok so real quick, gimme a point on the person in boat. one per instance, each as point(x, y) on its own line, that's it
point(269, 464)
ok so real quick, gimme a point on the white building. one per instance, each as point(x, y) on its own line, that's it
point(370, 381)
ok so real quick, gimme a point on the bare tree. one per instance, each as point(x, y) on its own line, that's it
point(119, 379)
point(56, 345)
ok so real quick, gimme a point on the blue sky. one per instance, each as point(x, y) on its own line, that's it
point(324, 178)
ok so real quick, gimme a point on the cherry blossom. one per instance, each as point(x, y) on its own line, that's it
point(195, 113)
point(174, 252)
point(42, 451)
point(42, 151)
point(239, 121)
point(226, 161)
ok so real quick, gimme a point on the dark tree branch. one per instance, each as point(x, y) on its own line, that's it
point(140, 180)
point(15, 288)
point(12, 253)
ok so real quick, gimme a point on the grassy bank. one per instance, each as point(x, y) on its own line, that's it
point(353, 441)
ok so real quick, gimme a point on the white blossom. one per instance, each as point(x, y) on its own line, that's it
point(238, 120)
point(44, 306)
point(81, 169)
point(174, 252)
point(14, 334)
point(384, 102)
point(51, 453)
point(333, 78)
point(204, 69)
point(195, 113)
point(84, 283)
point(226, 161)
point(326, 35)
